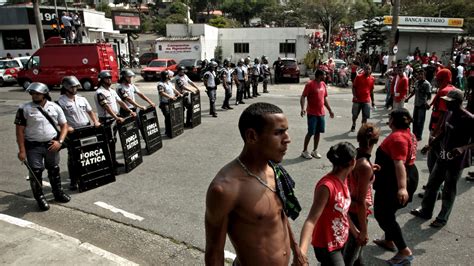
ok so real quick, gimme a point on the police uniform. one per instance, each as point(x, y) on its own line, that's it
point(240, 76)
point(245, 68)
point(125, 91)
point(227, 83)
point(167, 88)
point(38, 134)
point(102, 98)
point(255, 77)
point(265, 72)
point(182, 82)
point(76, 112)
point(211, 90)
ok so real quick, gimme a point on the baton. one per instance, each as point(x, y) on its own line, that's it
point(25, 162)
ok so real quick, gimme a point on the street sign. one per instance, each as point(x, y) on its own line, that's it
point(176, 117)
point(126, 21)
point(130, 139)
point(196, 109)
point(150, 129)
point(91, 159)
point(395, 49)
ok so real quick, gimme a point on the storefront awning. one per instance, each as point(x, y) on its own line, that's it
point(423, 29)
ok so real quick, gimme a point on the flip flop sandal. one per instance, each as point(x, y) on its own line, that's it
point(400, 260)
point(437, 224)
point(383, 244)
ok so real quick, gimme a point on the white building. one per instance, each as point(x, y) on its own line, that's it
point(236, 43)
point(18, 34)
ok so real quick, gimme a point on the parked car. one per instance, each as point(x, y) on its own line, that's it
point(193, 68)
point(146, 58)
point(55, 60)
point(8, 69)
point(156, 66)
point(290, 70)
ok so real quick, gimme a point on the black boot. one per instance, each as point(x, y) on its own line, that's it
point(55, 180)
point(36, 183)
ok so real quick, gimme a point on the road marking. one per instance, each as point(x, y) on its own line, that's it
point(46, 231)
point(229, 255)
point(117, 210)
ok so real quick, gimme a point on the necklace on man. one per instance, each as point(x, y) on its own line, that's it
point(254, 175)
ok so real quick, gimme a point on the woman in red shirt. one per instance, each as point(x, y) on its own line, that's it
point(360, 187)
point(328, 223)
point(395, 183)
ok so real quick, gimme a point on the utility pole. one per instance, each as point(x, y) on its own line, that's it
point(38, 22)
point(393, 33)
point(329, 36)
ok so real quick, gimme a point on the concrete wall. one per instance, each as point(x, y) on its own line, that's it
point(210, 42)
point(263, 41)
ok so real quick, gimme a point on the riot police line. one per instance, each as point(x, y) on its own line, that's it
point(90, 140)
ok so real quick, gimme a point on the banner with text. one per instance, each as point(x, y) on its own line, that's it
point(150, 129)
point(130, 139)
point(426, 21)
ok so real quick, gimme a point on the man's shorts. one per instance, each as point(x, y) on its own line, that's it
point(357, 107)
point(316, 124)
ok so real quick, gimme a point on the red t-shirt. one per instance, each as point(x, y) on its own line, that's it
point(316, 92)
point(439, 105)
point(400, 145)
point(425, 59)
point(362, 87)
point(332, 229)
point(401, 90)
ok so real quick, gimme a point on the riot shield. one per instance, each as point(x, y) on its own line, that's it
point(150, 129)
point(130, 139)
point(176, 117)
point(92, 163)
point(196, 107)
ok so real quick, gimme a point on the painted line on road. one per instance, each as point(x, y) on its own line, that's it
point(117, 210)
point(229, 255)
point(93, 249)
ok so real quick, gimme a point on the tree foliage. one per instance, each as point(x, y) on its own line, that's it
point(104, 7)
point(372, 34)
point(290, 15)
point(329, 13)
point(223, 22)
point(244, 10)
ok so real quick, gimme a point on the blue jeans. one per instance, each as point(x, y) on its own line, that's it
point(419, 116)
point(443, 171)
point(212, 93)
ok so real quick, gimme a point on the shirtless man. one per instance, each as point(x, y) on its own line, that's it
point(243, 200)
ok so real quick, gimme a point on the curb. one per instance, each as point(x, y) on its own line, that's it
point(82, 245)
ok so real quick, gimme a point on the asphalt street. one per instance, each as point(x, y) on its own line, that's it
point(159, 206)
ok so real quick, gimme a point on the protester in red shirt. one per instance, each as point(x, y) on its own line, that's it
point(316, 93)
point(434, 57)
point(363, 95)
point(395, 183)
point(327, 223)
point(360, 187)
point(399, 88)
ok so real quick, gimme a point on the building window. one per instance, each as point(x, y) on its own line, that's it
point(241, 48)
point(16, 39)
point(287, 48)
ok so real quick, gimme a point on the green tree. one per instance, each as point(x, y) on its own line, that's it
point(104, 7)
point(222, 22)
point(326, 12)
point(289, 15)
point(244, 10)
point(372, 35)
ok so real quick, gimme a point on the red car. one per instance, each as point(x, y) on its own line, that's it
point(155, 67)
point(290, 70)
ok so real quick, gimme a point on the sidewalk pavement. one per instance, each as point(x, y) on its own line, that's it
point(26, 243)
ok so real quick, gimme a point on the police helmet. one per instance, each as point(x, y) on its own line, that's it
point(70, 81)
point(241, 61)
point(127, 73)
point(38, 87)
point(164, 75)
point(181, 68)
point(105, 74)
point(214, 64)
point(256, 60)
point(247, 60)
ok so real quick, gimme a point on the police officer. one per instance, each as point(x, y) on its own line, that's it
point(265, 72)
point(167, 92)
point(210, 78)
point(255, 77)
point(127, 90)
point(246, 69)
point(39, 142)
point(185, 86)
point(239, 80)
point(78, 113)
point(226, 76)
point(106, 100)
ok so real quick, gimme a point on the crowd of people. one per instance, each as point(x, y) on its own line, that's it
point(251, 198)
